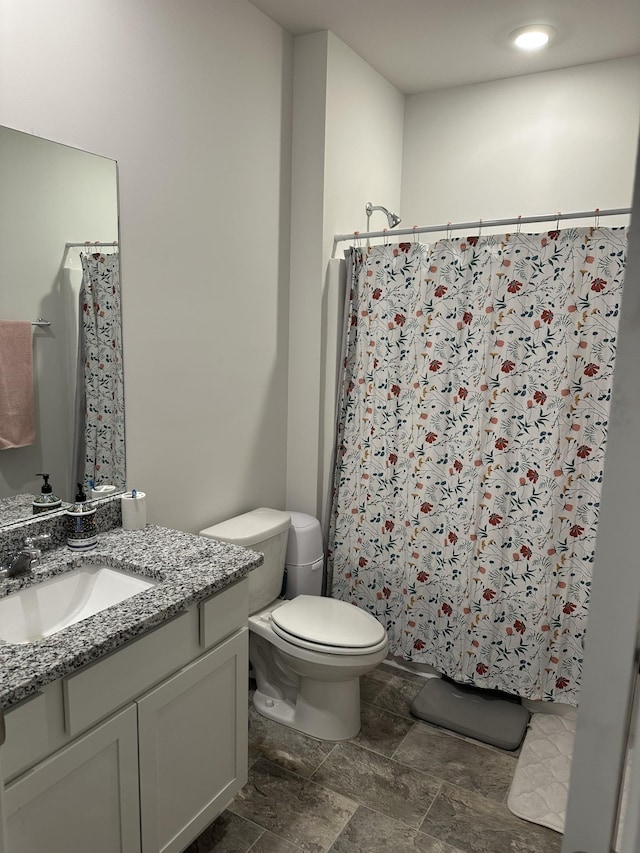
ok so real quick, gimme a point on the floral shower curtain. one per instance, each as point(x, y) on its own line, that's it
point(471, 441)
point(99, 442)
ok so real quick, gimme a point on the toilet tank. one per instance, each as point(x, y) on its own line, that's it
point(263, 530)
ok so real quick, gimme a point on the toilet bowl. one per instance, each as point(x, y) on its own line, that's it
point(306, 679)
point(309, 652)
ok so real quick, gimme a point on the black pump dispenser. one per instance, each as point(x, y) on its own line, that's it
point(46, 500)
point(46, 488)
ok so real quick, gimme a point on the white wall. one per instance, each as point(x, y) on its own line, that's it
point(606, 726)
point(556, 141)
point(347, 150)
point(307, 216)
point(363, 144)
point(51, 194)
point(229, 402)
point(193, 101)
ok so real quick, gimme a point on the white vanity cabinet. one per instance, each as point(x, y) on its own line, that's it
point(138, 751)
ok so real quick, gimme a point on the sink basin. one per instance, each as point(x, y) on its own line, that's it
point(44, 608)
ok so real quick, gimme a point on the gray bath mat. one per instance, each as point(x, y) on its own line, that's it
point(486, 715)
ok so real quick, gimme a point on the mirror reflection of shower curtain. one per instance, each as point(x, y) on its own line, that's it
point(99, 451)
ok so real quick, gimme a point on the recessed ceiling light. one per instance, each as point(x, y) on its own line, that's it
point(532, 37)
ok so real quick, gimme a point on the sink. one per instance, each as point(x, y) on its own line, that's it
point(44, 608)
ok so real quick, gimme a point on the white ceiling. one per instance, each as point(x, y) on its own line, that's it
point(421, 45)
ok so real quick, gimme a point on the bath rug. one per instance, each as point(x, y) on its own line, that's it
point(486, 715)
point(540, 788)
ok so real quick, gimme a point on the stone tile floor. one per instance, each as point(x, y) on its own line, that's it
point(400, 785)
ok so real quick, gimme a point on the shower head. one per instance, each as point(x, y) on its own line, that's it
point(392, 218)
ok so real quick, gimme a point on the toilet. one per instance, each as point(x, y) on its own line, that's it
point(308, 652)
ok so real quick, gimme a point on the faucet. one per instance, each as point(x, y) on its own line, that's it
point(26, 558)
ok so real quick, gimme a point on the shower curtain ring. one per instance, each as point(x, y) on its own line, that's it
point(519, 225)
point(449, 235)
point(597, 217)
point(479, 227)
point(558, 220)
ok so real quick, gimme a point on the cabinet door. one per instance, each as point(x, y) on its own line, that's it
point(192, 733)
point(83, 797)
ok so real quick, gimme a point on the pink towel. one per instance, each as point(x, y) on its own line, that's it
point(17, 421)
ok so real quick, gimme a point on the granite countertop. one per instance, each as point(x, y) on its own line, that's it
point(190, 568)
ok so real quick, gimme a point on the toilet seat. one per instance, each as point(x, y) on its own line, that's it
point(328, 625)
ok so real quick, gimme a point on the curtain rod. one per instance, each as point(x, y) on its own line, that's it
point(88, 244)
point(480, 223)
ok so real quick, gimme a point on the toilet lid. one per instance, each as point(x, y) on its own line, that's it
point(327, 622)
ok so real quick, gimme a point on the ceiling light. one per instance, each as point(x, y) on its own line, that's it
point(532, 37)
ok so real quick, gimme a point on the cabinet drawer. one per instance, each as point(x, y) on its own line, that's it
point(100, 688)
point(224, 613)
point(26, 740)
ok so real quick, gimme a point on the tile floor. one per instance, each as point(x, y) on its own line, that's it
point(400, 785)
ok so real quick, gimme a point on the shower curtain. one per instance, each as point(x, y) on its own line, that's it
point(99, 448)
point(471, 439)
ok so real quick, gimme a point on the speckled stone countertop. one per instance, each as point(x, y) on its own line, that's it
point(190, 568)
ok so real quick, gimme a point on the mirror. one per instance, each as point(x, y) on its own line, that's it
point(53, 195)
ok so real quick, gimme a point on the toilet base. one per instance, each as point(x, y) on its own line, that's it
point(323, 709)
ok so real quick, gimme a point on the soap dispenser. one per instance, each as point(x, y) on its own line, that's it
point(46, 500)
point(81, 523)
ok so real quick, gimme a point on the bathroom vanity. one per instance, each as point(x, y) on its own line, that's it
point(127, 731)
